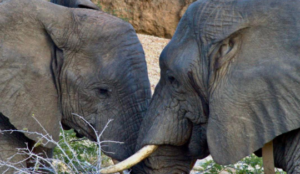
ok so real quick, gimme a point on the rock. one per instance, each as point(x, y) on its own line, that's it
point(228, 170)
point(152, 17)
point(198, 168)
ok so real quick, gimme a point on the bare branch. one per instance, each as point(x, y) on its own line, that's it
point(53, 165)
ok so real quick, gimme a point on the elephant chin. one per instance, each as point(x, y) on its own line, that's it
point(82, 133)
point(79, 130)
point(89, 134)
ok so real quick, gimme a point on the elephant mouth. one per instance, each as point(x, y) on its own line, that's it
point(136, 158)
point(78, 135)
point(90, 134)
point(186, 156)
point(81, 131)
point(152, 143)
point(91, 137)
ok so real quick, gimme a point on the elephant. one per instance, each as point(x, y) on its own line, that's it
point(57, 62)
point(87, 4)
point(230, 83)
point(144, 167)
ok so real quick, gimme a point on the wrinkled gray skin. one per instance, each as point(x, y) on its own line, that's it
point(86, 4)
point(229, 83)
point(57, 61)
point(161, 161)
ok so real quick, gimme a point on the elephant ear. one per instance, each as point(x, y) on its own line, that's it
point(254, 93)
point(29, 96)
point(76, 4)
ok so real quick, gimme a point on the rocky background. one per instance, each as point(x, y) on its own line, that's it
point(152, 17)
point(153, 46)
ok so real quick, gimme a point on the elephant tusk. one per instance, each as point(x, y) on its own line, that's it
point(131, 161)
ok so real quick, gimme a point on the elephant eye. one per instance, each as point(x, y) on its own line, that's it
point(173, 81)
point(103, 92)
point(230, 43)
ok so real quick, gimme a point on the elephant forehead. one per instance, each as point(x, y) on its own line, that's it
point(213, 19)
point(179, 57)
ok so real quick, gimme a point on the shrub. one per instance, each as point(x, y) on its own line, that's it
point(249, 165)
point(71, 155)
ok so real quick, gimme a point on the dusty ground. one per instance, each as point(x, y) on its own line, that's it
point(153, 46)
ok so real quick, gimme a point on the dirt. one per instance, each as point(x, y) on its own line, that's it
point(153, 46)
point(152, 17)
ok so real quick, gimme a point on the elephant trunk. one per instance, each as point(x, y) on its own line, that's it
point(150, 142)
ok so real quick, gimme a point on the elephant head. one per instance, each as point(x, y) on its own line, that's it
point(98, 71)
point(229, 79)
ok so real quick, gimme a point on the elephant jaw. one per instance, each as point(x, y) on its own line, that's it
point(81, 130)
point(132, 160)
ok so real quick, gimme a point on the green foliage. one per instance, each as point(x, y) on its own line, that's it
point(82, 152)
point(81, 146)
point(99, 5)
point(86, 153)
point(249, 165)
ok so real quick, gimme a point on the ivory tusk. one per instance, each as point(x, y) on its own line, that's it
point(116, 162)
point(131, 161)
